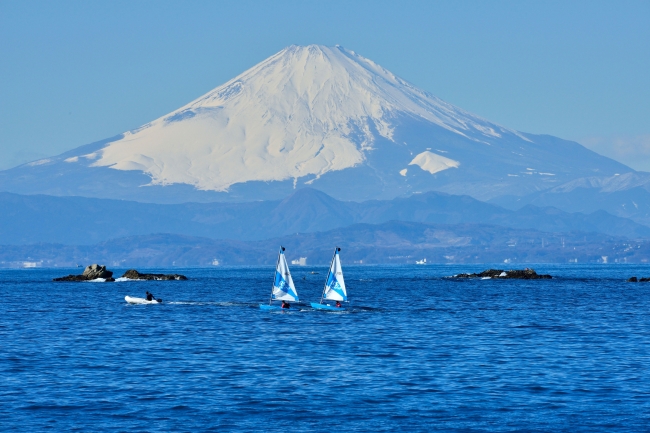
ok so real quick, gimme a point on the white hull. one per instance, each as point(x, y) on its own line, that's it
point(131, 300)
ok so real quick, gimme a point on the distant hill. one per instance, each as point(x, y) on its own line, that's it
point(84, 221)
point(626, 195)
point(392, 242)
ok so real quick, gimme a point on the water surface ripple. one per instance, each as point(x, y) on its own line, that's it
point(415, 352)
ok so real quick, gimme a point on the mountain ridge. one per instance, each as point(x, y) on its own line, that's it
point(79, 220)
point(393, 242)
point(626, 196)
point(313, 116)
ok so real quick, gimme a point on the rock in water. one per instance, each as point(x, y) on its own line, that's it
point(91, 272)
point(525, 274)
point(71, 278)
point(632, 280)
point(132, 274)
point(95, 271)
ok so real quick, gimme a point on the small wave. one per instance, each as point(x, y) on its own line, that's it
point(358, 308)
point(221, 304)
point(97, 280)
point(330, 311)
point(191, 303)
point(121, 279)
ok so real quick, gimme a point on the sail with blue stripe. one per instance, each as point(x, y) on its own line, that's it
point(283, 288)
point(334, 284)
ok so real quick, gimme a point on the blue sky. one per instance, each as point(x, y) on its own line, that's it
point(77, 72)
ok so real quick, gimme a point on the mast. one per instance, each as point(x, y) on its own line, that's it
point(336, 249)
point(276, 270)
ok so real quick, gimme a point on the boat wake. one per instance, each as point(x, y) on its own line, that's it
point(213, 303)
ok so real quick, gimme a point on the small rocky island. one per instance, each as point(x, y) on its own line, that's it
point(132, 274)
point(639, 280)
point(95, 271)
point(525, 274)
point(91, 272)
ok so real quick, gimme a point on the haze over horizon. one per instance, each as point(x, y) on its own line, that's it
point(74, 73)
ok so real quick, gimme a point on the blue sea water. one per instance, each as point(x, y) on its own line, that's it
point(414, 352)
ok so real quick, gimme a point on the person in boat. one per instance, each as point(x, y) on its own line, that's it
point(338, 304)
point(285, 304)
point(150, 297)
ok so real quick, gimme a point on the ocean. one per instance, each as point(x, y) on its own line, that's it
point(413, 352)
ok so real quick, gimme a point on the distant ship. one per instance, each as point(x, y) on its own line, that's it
point(421, 262)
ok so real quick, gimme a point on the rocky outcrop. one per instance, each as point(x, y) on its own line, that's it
point(91, 272)
point(95, 271)
point(525, 274)
point(640, 280)
point(132, 274)
point(632, 280)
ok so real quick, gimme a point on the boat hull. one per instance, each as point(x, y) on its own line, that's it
point(272, 307)
point(316, 306)
point(131, 300)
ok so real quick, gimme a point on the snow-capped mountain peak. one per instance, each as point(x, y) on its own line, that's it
point(319, 116)
point(302, 112)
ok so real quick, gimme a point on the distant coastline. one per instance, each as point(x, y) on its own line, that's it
point(394, 242)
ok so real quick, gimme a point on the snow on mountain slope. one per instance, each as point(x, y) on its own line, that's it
point(304, 111)
point(312, 116)
point(607, 184)
point(433, 163)
point(626, 195)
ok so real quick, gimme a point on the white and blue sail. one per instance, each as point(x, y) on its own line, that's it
point(335, 285)
point(334, 289)
point(283, 288)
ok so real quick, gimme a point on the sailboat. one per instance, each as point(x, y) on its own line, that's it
point(283, 288)
point(334, 286)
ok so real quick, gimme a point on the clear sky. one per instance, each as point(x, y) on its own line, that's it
point(76, 72)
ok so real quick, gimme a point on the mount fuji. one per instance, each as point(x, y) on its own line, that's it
point(312, 116)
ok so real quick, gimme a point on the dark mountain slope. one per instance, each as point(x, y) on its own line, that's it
point(77, 220)
point(391, 242)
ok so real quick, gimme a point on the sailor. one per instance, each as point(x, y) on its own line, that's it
point(149, 297)
point(285, 304)
point(338, 304)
